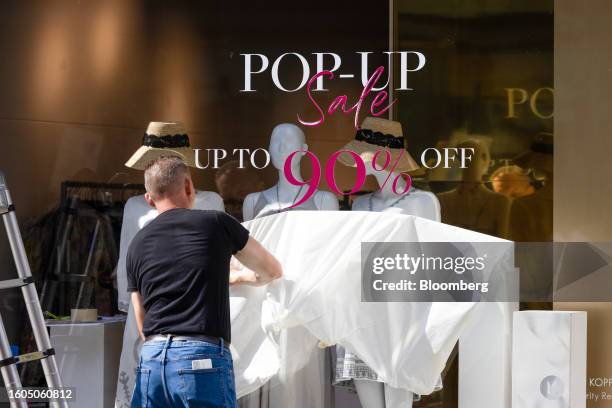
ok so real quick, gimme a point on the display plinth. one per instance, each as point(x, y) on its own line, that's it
point(88, 356)
point(485, 357)
point(549, 359)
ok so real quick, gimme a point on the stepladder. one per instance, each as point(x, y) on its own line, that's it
point(45, 353)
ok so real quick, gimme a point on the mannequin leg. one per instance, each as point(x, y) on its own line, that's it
point(371, 393)
point(398, 397)
point(130, 353)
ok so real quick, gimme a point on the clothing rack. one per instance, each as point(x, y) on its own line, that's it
point(79, 199)
point(74, 249)
point(66, 185)
point(71, 194)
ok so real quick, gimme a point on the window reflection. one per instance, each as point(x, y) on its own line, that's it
point(487, 84)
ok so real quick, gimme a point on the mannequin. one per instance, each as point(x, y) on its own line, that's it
point(417, 202)
point(373, 394)
point(309, 387)
point(136, 215)
point(286, 138)
point(472, 205)
point(371, 391)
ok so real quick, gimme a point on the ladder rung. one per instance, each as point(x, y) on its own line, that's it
point(7, 209)
point(25, 358)
point(16, 283)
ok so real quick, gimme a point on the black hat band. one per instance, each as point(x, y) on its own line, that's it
point(380, 139)
point(168, 141)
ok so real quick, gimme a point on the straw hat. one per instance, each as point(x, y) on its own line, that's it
point(379, 134)
point(162, 138)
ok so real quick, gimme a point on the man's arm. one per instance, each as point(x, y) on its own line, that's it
point(262, 266)
point(138, 312)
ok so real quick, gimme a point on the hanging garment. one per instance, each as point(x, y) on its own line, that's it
point(72, 252)
point(406, 344)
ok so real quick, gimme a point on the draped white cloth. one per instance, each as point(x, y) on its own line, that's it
point(407, 344)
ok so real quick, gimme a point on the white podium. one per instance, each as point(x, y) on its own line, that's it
point(485, 349)
point(88, 359)
point(549, 353)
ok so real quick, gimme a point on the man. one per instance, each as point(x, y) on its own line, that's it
point(179, 275)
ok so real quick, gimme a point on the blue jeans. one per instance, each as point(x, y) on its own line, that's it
point(166, 376)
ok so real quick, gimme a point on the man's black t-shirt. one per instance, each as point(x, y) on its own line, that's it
point(179, 263)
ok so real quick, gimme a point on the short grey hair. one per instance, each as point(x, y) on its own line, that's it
point(164, 176)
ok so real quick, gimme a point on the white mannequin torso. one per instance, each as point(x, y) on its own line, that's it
point(417, 202)
point(252, 206)
point(305, 389)
point(286, 139)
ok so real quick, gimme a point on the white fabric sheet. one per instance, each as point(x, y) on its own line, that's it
point(407, 344)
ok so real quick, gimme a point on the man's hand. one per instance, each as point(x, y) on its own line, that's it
point(239, 275)
point(244, 276)
point(254, 266)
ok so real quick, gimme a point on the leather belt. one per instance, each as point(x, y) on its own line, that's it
point(189, 337)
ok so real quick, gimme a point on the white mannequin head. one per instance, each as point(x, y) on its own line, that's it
point(286, 138)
